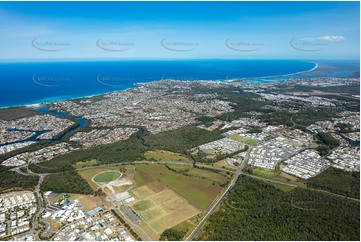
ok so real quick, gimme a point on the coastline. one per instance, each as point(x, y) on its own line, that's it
point(42, 102)
point(290, 74)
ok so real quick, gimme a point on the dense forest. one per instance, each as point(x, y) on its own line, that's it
point(172, 235)
point(12, 179)
point(254, 210)
point(337, 181)
point(182, 139)
point(178, 140)
point(67, 182)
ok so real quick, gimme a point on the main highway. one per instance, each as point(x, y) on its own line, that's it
point(220, 199)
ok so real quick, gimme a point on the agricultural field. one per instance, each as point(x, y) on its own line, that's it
point(162, 209)
point(199, 192)
point(164, 155)
point(243, 139)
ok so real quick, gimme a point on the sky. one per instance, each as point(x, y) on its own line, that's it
point(179, 30)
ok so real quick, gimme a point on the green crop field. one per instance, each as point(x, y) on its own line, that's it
point(107, 176)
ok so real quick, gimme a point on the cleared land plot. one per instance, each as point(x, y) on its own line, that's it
point(107, 176)
point(153, 214)
point(163, 209)
point(87, 201)
point(143, 205)
point(164, 155)
point(123, 188)
point(82, 164)
point(142, 192)
point(243, 139)
point(199, 192)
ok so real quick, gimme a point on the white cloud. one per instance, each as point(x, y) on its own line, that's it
point(327, 38)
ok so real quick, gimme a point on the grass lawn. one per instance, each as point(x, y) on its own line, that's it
point(143, 205)
point(122, 188)
point(212, 176)
point(262, 172)
point(88, 174)
point(244, 139)
point(107, 190)
point(224, 165)
point(82, 164)
point(282, 187)
point(107, 176)
point(199, 192)
point(163, 155)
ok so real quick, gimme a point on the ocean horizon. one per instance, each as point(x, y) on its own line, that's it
point(27, 83)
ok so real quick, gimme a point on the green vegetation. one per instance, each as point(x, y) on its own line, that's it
point(66, 182)
point(107, 176)
point(172, 235)
point(244, 139)
point(16, 113)
point(89, 173)
point(207, 121)
point(132, 149)
point(262, 172)
point(327, 142)
point(200, 173)
point(11, 180)
point(123, 151)
point(82, 164)
point(337, 181)
point(281, 187)
point(345, 128)
point(327, 139)
point(199, 192)
point(122, 188)
point(255, 210)
point(244, 102)
point(163, 155)
point(143, 205)
point(255, 129)
point(182, 139)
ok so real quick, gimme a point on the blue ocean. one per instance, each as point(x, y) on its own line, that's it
point(23, 83)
